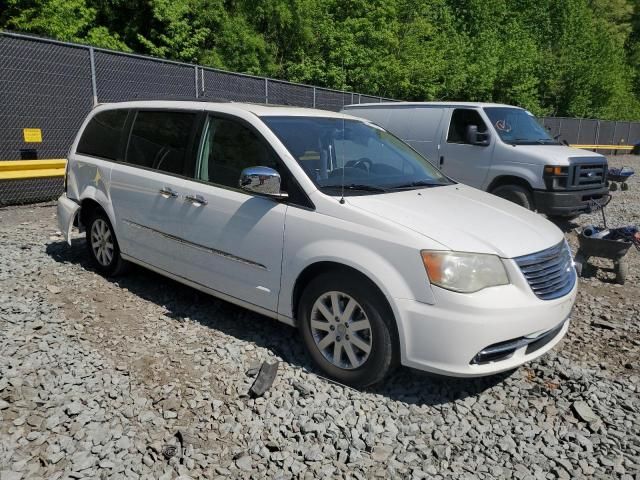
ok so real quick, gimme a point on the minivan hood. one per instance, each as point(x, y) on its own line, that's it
point(465, 219)
point(556, 154)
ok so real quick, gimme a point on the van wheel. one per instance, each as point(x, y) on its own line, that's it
point(516, 194)
point(103, 246)
point(347, 329)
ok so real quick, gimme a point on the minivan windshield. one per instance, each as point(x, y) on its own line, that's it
point(363, 156)
point(518, 127)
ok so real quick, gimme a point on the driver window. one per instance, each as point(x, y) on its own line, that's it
point(460, 120)
point(228, 148)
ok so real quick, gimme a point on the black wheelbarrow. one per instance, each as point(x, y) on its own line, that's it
point(620, 176)
point(614, 245)
point(615, 250)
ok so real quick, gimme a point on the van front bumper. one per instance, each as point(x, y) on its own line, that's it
point(487, 332)
point(567, 203)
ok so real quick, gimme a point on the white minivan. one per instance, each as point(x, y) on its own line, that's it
point(497, 148)
point(326, 222)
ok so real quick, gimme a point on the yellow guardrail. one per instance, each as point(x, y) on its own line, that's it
point(23, 169)
point(55, 167)
point(604, 147)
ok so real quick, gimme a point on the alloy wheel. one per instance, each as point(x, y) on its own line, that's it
point(102, 242)
point(341, 330)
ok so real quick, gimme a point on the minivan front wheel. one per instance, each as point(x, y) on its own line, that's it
point(103, 246)
point(346, 329)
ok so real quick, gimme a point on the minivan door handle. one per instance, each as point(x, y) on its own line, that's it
point(196, 200)
point(167, 192)
point(441, 159)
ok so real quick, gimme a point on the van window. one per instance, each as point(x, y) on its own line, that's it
point(228, 148)
point(159, 140)
point(101, 137)
point(460, 119)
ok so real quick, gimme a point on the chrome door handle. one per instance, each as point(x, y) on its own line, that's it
point(166, 192)
point(196, 200)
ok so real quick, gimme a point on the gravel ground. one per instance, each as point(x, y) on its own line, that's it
point(141, 377)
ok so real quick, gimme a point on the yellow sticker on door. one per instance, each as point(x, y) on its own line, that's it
point(32, 135)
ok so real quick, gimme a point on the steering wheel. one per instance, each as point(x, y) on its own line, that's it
point(363, 163)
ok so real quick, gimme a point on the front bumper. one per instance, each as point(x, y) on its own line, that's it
point(567, 202)
point(459, 333)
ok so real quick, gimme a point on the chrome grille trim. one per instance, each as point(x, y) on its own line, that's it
point(585, 174)
point(550, 273)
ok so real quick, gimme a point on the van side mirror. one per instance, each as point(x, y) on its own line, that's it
point(474, 138)
point(263, 181)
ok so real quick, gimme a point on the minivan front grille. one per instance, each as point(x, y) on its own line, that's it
point(589, 175)
point(550, 273)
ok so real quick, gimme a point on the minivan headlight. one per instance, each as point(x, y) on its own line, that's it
point(464, 272)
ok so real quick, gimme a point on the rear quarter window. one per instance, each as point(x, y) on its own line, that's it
point(101, 138)
point(160, 139)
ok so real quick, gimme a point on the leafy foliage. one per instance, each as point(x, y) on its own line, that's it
point(559, 57)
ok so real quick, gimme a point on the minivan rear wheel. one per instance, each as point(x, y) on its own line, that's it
point(516, 194)
point(103, 245)
point(346, 328)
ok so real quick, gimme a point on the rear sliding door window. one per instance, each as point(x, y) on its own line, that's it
point(102, 136)
point(160, 140)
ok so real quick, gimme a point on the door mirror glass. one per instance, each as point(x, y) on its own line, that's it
point(473, 137)
point(261, 180)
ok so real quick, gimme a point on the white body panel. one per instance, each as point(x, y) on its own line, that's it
point(251, 250)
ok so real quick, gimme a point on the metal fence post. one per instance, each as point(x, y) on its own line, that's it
point(579, 128)
point(196, 79)
point(314, 97)
point(598, 132)
point(560, 129)
point(266, 90)
point(94, 88)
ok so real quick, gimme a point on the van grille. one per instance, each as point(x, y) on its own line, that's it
point(550, 273)
point(589, 175)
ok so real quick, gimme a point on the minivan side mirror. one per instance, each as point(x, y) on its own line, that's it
point(262, 180)
point(474, 138)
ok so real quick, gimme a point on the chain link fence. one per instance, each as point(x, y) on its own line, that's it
point(50, 86)
point(591, 133)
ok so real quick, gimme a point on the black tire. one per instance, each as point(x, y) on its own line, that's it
point(516, 194)
point(562, 218)
point(107, 265)
point(582, 265)
point(621, 269)
point(613, 187)
point(383, 354)
point(624, 186)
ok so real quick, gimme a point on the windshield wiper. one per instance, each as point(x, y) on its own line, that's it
point(356, 186)
point(418, 183)
point(524, 141)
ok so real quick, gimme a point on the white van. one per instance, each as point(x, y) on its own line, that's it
point(325, 222)
point(497, 148)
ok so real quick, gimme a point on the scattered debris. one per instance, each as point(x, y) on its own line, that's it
point(54, 289)
point(264, 380)
point(584, 412)
point(604, 324)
